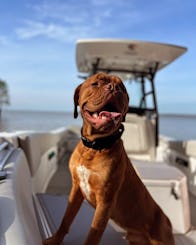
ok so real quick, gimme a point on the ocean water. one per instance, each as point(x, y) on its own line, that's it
point(36, 120)
point(179, 127)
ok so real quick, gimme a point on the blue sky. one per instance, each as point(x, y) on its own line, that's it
point(38, 38)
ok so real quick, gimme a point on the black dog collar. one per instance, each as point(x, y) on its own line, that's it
point(105, 142)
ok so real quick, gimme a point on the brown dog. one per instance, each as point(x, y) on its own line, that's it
point(103, 174)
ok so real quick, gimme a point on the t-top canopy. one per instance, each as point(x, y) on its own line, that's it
point(127, 56)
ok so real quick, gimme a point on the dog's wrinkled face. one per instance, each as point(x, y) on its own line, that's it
point(103, 102)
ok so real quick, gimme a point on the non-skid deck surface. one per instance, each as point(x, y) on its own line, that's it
point(54, 208)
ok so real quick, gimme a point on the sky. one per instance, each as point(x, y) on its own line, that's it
point(38, 42)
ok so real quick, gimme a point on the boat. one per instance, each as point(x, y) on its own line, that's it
point(34, 175)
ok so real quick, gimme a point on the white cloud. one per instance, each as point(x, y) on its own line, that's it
point(68, 13)
point(67, 21)
point(58, 32)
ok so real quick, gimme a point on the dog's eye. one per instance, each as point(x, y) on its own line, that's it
point(95, 84)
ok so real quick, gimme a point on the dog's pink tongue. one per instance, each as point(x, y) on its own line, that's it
point(109, 115)
point(104, 117)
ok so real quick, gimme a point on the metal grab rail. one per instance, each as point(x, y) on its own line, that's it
point(6, 157)
point(5, 146)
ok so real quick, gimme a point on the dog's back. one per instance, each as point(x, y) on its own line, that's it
point(137, 212)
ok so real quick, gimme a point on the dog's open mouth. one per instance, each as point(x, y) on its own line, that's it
point(107, 115)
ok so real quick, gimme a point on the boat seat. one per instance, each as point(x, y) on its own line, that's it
point(17, 216)
point(139, 137)
point(190, 148)
point(41, 150)
point(12, 137)
point(182, 154)
point(168, 187)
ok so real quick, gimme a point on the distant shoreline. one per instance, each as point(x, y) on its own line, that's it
point(177, 115)
point(32, 110)
point(69, 111)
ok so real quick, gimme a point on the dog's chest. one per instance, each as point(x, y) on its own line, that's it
point(84, 175)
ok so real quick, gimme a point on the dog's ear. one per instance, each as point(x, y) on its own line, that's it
point(76, 99)
point(124, 118)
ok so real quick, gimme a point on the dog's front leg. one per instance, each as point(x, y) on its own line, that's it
point(100, 220)
point(74, 203)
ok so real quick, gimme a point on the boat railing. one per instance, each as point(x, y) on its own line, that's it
point(6, 150)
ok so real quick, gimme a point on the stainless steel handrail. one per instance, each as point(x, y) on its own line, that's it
point(8, 151)
point(6, 157)
point(3, 145)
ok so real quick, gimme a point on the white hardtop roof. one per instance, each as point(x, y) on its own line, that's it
point(125, 55)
